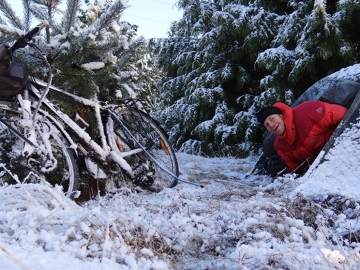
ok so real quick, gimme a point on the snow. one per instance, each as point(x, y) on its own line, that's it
point(93, 65)
point(340, 176)
point(236, 221)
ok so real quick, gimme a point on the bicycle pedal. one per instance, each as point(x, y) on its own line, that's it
point(143, 177)
point(144, 181)
point(141, 169)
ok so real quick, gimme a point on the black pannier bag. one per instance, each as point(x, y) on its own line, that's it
point(13, 73)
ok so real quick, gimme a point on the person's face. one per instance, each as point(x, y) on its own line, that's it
point(274, 123)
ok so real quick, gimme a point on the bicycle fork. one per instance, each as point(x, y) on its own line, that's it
point(27, 123)
point(31, 128)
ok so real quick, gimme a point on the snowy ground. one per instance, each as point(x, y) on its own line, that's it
point(234, 222)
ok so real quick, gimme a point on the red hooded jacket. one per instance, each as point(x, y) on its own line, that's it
point(308, 127)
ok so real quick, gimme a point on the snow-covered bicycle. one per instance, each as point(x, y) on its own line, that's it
point(40, 142)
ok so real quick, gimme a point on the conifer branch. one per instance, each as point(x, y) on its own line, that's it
point(70, 15)
point(27, 14)
point(109, 16)
point(9, 13)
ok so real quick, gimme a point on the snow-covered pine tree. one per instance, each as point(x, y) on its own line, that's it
point(92, 52)
point(347, 16)
point(209, 62)
point(321, 49)
point(226, 59)
point(149, 75)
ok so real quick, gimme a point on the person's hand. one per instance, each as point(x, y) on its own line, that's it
point(274, 165)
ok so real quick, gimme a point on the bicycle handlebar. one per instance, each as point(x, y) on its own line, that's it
point(25, 39)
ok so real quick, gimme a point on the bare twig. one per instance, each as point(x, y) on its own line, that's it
point(13, 258)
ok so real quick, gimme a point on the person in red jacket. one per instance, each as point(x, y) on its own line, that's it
point(301, 133)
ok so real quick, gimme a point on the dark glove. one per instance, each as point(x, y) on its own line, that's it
point(274, 165)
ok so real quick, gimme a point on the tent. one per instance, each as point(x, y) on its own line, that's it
point(332, 90)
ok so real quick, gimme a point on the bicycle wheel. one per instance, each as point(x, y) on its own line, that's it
point(152, 166)
point(51, 161)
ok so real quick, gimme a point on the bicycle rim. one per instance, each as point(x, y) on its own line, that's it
point(57, 168)
point(159, 158)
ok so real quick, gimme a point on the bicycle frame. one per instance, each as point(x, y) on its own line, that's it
point(103, 151)
point(142, 169)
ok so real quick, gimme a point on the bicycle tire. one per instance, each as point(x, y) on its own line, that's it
point(31, 169)
point(160, 157)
